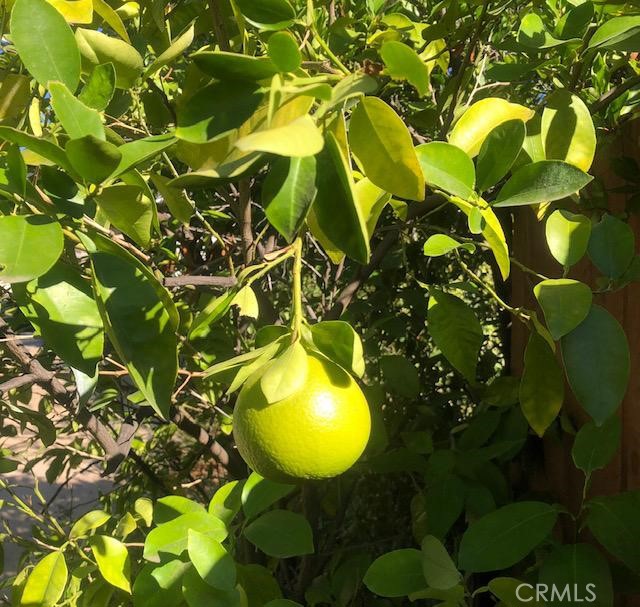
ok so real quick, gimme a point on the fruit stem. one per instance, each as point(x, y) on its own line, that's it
point(296, 311)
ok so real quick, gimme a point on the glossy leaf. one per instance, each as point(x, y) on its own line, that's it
point(297, 139)
point(172, 506)
point(286, 374)
point(567, 130)
point(542, 181)
point(92, 158)
point(403, 63)
point(447, 168)
point(140, 319)
point(353, 85)
point(29, 246)
point(567, 236)
point(42, 147)
point(498, 152)
point(581, 568)
point(618, 33)
point(268, 14)
point(88, 522)
point(111, 18)
point(437, 566)
point(283, 51)
point(160, 585)
point(611, 246)
point(172, 52)
point(504, 537)
point(216, 110)
point(197, 593)
point(45, 43)
point(76, 118)
point(473, 127)
point(113, 561)
point(534, 34)
point(128, 209)
point(212, 562)
point(61, 307)
point(288, 192)
point(46, 582)
point(383, 148)
point(227, 501)
point(259, 493)
point(371, 201)
point(396, 574)
point(97, 48)
point(139, 151)
point(335, 198)
point(281, 533)
point(565, 304)
point(234, 66)
point(599, 380)
point(542, 385)
point(614, 522)
point(594, 447)
point(337, 340)
point(99, 89)
point(441, 244)
point(456, 331)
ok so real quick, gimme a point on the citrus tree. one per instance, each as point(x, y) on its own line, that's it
point(255, 261)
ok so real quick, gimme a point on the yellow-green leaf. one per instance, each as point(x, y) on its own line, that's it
point(297, 139)
point(113, 561)
point(46, 583)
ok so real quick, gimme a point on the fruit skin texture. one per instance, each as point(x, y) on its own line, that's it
point(318, 432)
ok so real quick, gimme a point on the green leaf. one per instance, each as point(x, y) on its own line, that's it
point(599, 380)
point(542, 385)
point(76, 118)
point(567, 236)
point(176, 199)
point(160, 585)
point(88, 522)
point(42, 147)
point(92, 158)
point(565, 304)
point(140, 319)
point(129, 209)
point(612, 246)
point(448, 168)
point(143, 507)
point(335, 198)
point(288, 191)
point(509, 590)
point(212, 562)
point(29, 246)
point(97, 48)
point(542, 181)
point(173, 51)
point(281, 534)
point(297, 139)
point(61, 307)
point(441, 244)
point(46, 582)
point(504, 537)
point(235, 66)
point(216, 110)
point(498, 152)
point(98, 91)
point(567, 130)
point(614, 522)
point(338, 340)
point(259, 493)
point(582, 569)
point(227, 501)
point(574, 23)
point(403, 63)
point(353, 85)
point(382, 146)
point(140, 151)
point(437, 566)
point(618, 33)
point(113, 561)
point(473, 127)
point(371, 201)
point(172, 537)
point(172, 506)
point(594, 447)
point(247, 302)
point(198, 593)
point(45, 43)
point(211, 313)
point(282, 603)
point(284, 52)
point(397, 573)
point(400, 375)
point(533, 34)
point(456, 331)
point(286, 374)
point(267, 14)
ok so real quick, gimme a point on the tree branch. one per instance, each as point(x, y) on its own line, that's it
point(199, 281)
point(611, 95)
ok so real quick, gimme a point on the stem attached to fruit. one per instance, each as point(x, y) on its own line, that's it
point(296, 309)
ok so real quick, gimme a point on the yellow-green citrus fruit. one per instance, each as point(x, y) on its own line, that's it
point(318, 432)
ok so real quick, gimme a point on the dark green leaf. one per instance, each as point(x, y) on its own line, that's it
point(281, 533)
point(284, 52)
point(611, 246)
point(437, 566)
point(448, 168)
point(599, 380)
point(268, 14)
point(98, 91)
point(504, 537)
point(397, 573)
point(594, 447)
point(400, 376)
point(45, 43)
point(92, 158)
point(139, 151)
point(618, 33)
point(456, 331)
point(543, 181)
point(234, 66)
point(498, 152)
point(565, 304)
